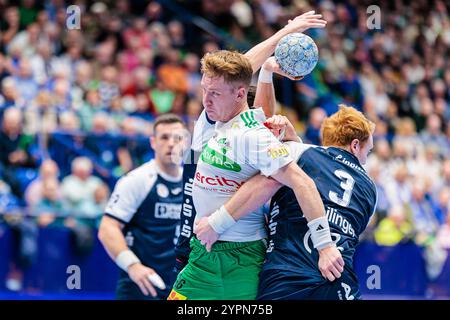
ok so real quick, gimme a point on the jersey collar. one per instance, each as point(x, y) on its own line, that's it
point(166, 176)
point(258, 113)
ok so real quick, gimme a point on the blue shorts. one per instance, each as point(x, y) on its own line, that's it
point(286, 285)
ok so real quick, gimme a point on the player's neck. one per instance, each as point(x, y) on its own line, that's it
point(169, 169)
point(349, 150)
point(243, 107)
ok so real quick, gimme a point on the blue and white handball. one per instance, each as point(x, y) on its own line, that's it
point(297, 54)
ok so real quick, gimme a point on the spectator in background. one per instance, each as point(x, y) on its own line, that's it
point(381, 157)
point(41, 115)
point(132, 151)
point(80, 186)
point(25, 82)
point(10, 96)
point(383, 205)
point(162, 98)
point(443, 236)
point(398, 189)
point(51, 210)
point(422, 213)
point(406, 134)
point(27, 40)
point(41, 63)
point(91, 211)
point(91, 106)
point(433, 134)
point(394, 228)
point(4, 70)
point(143, 108)
point(444, 177)
point(15, 151)
point(69, 122)
point(108, 88)
point(10, 26)
point(34, 192)
point(442, 205)
point(312, 134)
point(8, 201)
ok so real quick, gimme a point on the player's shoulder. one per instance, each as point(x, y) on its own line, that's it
point(249, 121)
point(142, 175)
point(202, 125)
point(298, 149)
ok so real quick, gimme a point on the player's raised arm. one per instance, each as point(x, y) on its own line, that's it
point(259, 53)
point(265, 92)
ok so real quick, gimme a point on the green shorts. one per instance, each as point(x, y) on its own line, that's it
point(229, 272)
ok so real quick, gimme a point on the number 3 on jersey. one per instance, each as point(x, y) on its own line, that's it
point(347, 183)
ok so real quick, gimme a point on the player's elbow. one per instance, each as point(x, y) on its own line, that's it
point(102, 233)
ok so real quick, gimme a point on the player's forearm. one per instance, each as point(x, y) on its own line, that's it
point(251, 195)
point(259, 53)
point(304, 188)
point(265, 97)
point(309, 198)
point(112, 239)
point(311, 204)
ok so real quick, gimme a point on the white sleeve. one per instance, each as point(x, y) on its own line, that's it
point(203, 131)
point(128, 195)
point(265, 152)
point(296, 149)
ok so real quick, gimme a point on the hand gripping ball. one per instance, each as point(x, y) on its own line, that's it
point(297, 54)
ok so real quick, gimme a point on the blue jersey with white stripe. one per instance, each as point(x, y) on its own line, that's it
point(349, 197)
point(148, 202)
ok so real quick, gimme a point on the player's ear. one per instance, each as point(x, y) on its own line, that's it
point(355, 145)
point(152, 141)
point(241, 93)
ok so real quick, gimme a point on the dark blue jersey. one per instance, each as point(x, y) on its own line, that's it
point(349, 197)
point(148, 202)
point(203, 131)
point(188, 212)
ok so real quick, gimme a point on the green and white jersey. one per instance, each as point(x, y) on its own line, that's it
point(239, 149)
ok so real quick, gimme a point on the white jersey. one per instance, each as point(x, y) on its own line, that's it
point(239, 149)
point(203, 131)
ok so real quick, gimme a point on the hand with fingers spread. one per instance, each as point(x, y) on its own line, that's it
point(146, 278)
point(304, 22)
point(282, 128)
point(205, 233)
point(331, 264)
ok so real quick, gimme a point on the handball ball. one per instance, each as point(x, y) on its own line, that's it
point(297, 54)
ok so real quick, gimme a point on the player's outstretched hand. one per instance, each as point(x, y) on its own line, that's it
point(282, 128)
point(304, 22)
point(146, 278)
point(331, 264)
point(271, 65)
point(205, 233)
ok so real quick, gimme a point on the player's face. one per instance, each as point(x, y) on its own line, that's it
point(167, 140)
point(362, 150)
point(220, 99)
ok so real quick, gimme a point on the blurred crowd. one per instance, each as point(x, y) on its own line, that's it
point(76, 105)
